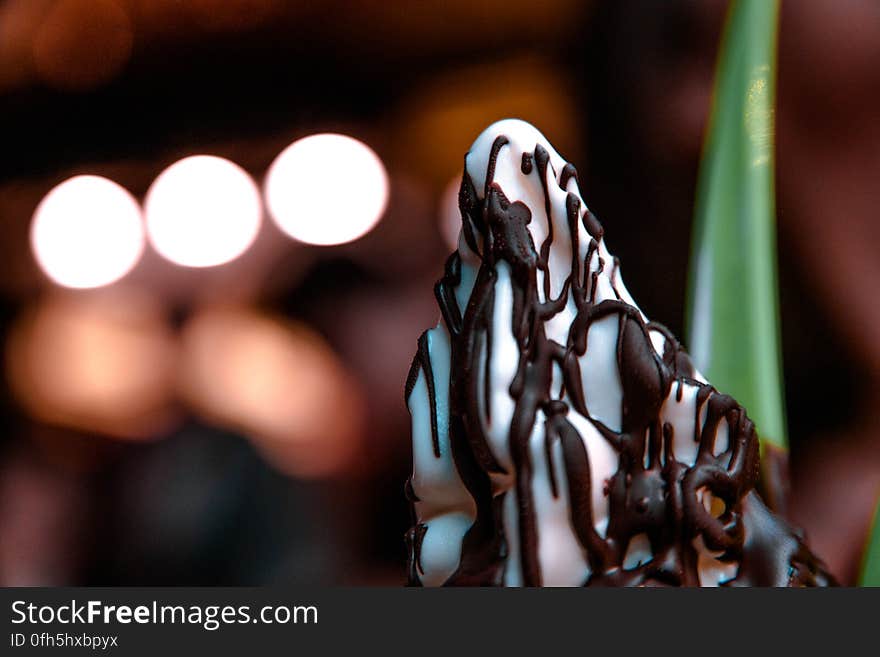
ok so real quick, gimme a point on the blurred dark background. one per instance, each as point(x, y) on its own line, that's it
point(244, 423)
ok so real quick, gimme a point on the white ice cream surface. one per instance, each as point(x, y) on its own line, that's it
point(444, 504)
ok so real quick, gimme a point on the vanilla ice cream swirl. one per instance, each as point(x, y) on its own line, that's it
point(559, 437)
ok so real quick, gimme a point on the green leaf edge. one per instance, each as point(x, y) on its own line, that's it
point(748, 366)
point(870, 574)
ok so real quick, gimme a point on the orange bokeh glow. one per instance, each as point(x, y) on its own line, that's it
point(100, 362)
point(279, 383)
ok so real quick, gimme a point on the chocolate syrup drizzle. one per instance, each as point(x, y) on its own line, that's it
point(651, 492)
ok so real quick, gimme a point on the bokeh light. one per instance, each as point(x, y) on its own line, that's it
point(327, 189)
point(81, 44)
point(19, 21)
point(87, 232)
point(277, 382)
point(202, 211)
point(438, 123)
point(101, 362)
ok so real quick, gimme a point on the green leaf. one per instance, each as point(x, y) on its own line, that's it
point(733, 305)
point(871, 560)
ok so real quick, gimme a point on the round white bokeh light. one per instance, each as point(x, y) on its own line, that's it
point(202, 211)
point(327, 189)
point(87, 232)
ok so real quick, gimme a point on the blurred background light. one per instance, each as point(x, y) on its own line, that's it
point(438, 121)
point(19, 21)
point(229, 15)
point(100, 362)
point(327, 189)
point(87, 232)
point(81, 44)
point(202, 211)
point(278, 382)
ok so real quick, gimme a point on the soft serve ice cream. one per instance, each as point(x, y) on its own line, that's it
point(560, 438)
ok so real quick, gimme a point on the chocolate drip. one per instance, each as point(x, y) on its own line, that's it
point(444, 291)
point(409, 493)
point(423, 355)
point(542, 158)
point(592, 225)
point(414, 537)
point(568, 172)
point(471, 214)
point(772, 554)
point(577, 472)
point(484, 549)
point(651, 493)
